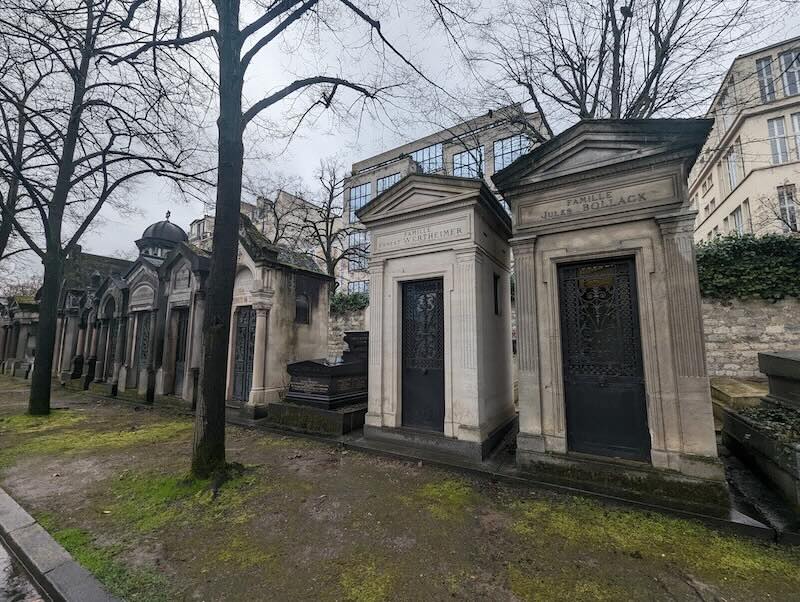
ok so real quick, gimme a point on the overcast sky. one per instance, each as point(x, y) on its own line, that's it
point(115, 234)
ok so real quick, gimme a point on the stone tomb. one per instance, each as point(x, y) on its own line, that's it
point(440, 315)
point(610, 334)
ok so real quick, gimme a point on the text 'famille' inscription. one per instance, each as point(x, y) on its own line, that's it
point(600, 201)
point(423, 235)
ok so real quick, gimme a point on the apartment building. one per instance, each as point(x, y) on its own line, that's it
point(747, 177)
point(475, 148)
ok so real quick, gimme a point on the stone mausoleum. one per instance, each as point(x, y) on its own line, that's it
point(610, 336)
point(137, 330)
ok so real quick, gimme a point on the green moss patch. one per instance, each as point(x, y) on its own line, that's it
point(587, 524)
point(83, 440)
point(27, 424)
point(246, 554)
point(364, 581)
point(131, 584)
point(567, 587)
point(446, 500)
point(778, 422)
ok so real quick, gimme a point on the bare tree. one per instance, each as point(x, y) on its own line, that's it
point(574, 60)
point(324, 224)
point(102, 119)
point(780, 211)
point(280, 213)
point(22, 285)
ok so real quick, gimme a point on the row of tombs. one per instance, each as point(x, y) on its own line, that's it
point(612, 378)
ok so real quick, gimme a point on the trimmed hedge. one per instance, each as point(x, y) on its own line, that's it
point(742, 267)
point(342, 303)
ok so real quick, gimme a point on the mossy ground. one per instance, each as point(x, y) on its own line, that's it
point(306, 521)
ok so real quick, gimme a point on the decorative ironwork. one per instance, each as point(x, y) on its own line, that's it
point(243, 358)
point(143, 338)
point(423, 322)
point(181, 340)
point(599, 314)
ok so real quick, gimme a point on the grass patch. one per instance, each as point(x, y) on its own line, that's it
point(697, 548)
point(446, 500)
point(82, 440)
point(245, 554)
point(26, 424)
point(363, 581)
point(126, 583)
point(564, 588)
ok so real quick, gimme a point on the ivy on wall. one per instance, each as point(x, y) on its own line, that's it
point(742, 267)
point(342, 303)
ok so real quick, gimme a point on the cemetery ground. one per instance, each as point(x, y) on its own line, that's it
point(305, 520)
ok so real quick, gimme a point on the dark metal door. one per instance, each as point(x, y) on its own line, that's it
point(602, 355)
point(111, 348)
point(243, 358)
point(142, 341)
point(423, 355)
point(180, 348)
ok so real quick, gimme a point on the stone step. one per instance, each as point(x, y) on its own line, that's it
point(737, 393)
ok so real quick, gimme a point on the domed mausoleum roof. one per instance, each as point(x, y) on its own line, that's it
point(165, 230)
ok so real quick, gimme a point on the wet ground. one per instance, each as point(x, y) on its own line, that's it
point(14, 583)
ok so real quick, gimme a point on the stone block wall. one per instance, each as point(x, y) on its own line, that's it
point(341, 323)
point(736, 331)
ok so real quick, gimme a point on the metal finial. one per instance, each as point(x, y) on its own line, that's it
point(168, 214)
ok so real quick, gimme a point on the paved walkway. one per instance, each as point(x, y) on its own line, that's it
point(15, 586)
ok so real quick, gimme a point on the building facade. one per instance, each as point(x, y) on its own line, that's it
point(748, 174)
point(473, 149)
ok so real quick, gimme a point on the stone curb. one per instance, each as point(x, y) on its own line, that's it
point(50, 565)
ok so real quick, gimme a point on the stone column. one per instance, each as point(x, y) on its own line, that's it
point(686, 328)
point(57, 352)
point(375, 410)
point(531, 436)
point(3, 339)
point(70, 340)
point(119, 352)
point(22, 341)
point(196, 346)
point(465, 344)
point(78, 359)
point(258, 387)
point(128, 354)
point(91, 356)
point(99, 366)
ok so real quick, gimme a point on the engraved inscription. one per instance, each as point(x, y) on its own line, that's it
point(598, 201)
point(423, 235)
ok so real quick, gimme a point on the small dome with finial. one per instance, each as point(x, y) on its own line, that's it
point(160, 238)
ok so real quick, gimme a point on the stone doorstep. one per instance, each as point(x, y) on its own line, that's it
point(50, 565)
point(736, 392)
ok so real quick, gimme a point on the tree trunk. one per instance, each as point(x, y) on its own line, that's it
point(208, 454)
point(39, 401)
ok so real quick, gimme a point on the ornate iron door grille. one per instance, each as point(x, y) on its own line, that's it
point(423, 354)
point(243, 358)
point(602, 359)
point(180, 348)
point(143, 339)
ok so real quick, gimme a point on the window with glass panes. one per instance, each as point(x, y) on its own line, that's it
point(384, 183)
point(738, 222)
point(766, 83)
point(790, 67)
point(777, 140)
point(358, 240)
point(359, 196)
point(469, 164)
point(429, 159)
point(787, 202)
point(796, 129)
point(732, 162)
point(507, 150)
point(358, 286)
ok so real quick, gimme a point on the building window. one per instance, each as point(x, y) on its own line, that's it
point(358, 286)
point(469, 164)
point(777, 140)
point(707, 184)
point(732, 164)
point(508, 150)
point(737, 220)
point(787, 202)
point(790, 67)
point(429, 159)
point(359, 196)
point(302, 315)
point(796, 128)
point(766, 83)
point(357, 262)
point(385, 182)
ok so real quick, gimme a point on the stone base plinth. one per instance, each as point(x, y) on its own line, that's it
point(314, 420)
point(437, 442)
point(630, 480)
point(783, 373)
point(22, 369)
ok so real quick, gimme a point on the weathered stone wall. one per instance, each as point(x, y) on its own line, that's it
point(737, 330)
point(338, 325)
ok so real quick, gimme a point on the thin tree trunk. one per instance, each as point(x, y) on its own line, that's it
point(10, 207)
point(208, 454)
point(39, 402)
